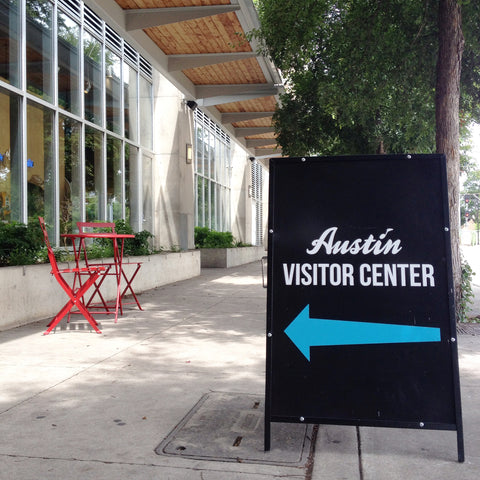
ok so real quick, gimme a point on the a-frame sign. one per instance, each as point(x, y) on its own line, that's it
point(360, 312)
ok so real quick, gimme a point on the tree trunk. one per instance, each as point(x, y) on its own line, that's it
point(447, 119)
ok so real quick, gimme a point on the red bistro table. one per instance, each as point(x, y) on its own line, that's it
point(117, 256)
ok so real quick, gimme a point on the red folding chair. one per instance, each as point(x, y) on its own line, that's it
point(75, 294)
point(110, 226)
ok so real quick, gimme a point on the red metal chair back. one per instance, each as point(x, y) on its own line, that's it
point(82, 225)
point(51, 253)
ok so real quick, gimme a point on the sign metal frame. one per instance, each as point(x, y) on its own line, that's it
point(366, 300)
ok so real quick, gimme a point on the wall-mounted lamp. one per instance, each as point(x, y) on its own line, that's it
point(192, 104)
point(189, 153)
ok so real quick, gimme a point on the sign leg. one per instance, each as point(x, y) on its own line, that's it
point(460, 445)
point(267, 435)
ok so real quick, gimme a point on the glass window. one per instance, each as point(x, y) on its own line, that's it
point(94, 175)
point(147, 194)
point(212, 174)
point(10, 43)
point(114, 179)
point(113, 92)
point(40, 163)
point(10, 158)
point(68, 71)
point(130, 89)
point(213, 211)
point(146, 116)
point(200, 204)
point(39, 48)
point(70, 173)
point(132, 184)
point(92, 88)
point(198, 149)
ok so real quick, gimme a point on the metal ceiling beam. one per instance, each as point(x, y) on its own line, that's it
point(194, 60)
point(208, 91)
point(211, 102)
point(247, 132)
point(210, 95)
point(140, 18)
point(268, 152)
point(235, 117)
point(260, 142)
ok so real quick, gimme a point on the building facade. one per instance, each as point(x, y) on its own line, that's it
point(94, 128)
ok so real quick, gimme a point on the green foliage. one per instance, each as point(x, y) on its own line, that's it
point(200, 235)
point(206, 238)
point(140, 245)
point(20, 244)
point(467, 293)
point(360, 76)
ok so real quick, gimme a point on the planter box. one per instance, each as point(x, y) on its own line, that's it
point(230, 257)
point(30, 293)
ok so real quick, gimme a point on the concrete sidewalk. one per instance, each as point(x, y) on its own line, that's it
point(77, 405)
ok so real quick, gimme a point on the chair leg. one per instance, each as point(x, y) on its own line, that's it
point(76, 299)
point(99, 293)
point(129, 286)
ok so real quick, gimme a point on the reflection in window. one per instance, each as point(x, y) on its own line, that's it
point(147, 194)
point(114, 179)
point(40, 163)
point(130, 89)
point(146, 116)
point(39, 48)
point(93, 175)
point(68, 64)
point(10, 42)
point(10, 155)
point(70, 173)
point(199, 153)
point(65, 49)
point(92, 56)
point(113, 92)
point(132, 203)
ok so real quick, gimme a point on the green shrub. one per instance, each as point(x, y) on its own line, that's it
point(200, 235)
point(20, 244)
point(216, 239)
point(206, 238)
point(140, 245)
point(467, 292)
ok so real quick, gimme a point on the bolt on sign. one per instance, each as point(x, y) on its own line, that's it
point(360, 311)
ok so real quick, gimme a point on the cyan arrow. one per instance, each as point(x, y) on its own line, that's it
point(306, 332)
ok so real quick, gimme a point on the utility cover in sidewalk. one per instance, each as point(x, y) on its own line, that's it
point(229, 427)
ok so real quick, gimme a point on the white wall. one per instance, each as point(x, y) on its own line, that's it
point(240, 206)
point(173, 177)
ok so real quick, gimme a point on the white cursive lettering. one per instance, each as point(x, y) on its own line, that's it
point(364, 246)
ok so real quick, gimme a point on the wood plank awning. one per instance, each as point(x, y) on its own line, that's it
point(215, 65)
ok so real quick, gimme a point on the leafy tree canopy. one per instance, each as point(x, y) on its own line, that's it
point(360, 74)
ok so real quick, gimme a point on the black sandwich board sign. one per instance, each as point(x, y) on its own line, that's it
point(360, 312)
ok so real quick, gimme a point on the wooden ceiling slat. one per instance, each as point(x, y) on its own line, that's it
point(262, 104)
point(259, 122)
point(169, 3)
point(240, 71)
point(221, 33)
point(217, 34)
